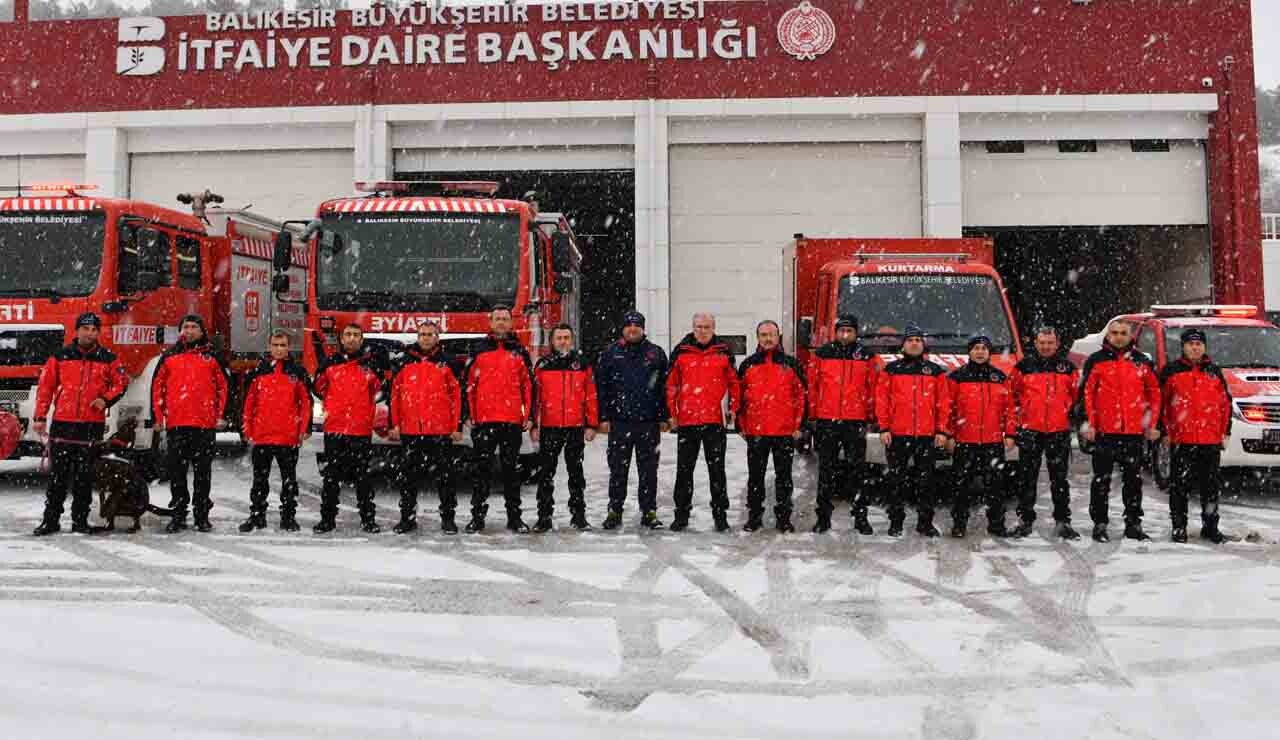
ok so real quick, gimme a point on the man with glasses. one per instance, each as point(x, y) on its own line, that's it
point(1122, 406)
point(1044, 389)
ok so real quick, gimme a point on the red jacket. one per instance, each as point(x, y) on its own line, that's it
point(1197, 404)
point(189, 388)
point(349, 386)
point(73, 379)
point(772, 394)
point(698, 380)
point(842, 382)
point(500, 382)
point(912, 398)
point(1121, 392)
point(981, 407)
point(1044, 390)
point(277, 404)
point(565, 387)
point(426, 397)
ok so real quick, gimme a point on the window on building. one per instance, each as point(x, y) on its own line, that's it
point(1006, 147)
point(1149, 145)
point(1078, 146)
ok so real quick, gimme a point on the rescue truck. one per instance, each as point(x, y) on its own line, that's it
point(1245, 346)
point(141, 267)
point(405, 253)
point(948, 287)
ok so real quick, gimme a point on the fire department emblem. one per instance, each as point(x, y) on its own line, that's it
point(806, 32)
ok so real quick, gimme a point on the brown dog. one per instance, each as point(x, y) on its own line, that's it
point(122, 486)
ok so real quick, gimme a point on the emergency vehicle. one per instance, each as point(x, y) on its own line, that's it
point(410, 252)
point(1244, 345)
point(948, 287)
point(141, 267)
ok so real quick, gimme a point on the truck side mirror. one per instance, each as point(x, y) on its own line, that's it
point(560, 252)
point(804, 332)
point(563, 283)
point(282, 256)
point(280, 283)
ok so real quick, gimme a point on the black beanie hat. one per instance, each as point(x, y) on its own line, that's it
point(847, 321)
point(980, 339)
point(1194, 335)
point(88, 318)
point(913, 330)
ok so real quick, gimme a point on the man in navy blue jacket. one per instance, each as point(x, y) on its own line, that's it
point(631, 380)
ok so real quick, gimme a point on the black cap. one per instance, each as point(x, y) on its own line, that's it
point(88, 318)
point(633, 317)
point(913, 330)
point(1194, 335)
point(847, 321)
point(974, 341)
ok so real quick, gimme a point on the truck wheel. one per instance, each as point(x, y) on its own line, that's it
point(1161, 465)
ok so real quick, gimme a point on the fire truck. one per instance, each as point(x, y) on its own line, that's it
point(405, 253)
point(948, 287)
point(141, 267)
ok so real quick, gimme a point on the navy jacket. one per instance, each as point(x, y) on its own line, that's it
point(631, 381)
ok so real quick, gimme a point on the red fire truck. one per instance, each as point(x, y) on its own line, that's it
point(947, 287)
point(140, 267)
point(410, 252)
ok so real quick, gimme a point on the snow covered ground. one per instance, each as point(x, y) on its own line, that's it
point(633, 635)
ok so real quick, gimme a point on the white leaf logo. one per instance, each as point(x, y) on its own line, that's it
point(138, 61)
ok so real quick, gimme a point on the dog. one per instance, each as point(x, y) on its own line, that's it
point(122, 483)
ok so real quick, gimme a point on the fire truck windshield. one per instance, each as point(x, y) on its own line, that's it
point(50, 252)
point(1232, 346)
point(949, 308)
point(418, 261)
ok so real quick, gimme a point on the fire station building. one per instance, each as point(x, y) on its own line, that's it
point(1109, 148)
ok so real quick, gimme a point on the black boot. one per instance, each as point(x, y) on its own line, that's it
point(959, 529)
point(1066, 531)
point(1133, 531)
point(721, 519)
point(255, 521)
point(1100, 533)
point(754, 522)
point(926, 528)
point(288, 522)
point(80, 525)
point(369, 526)
point(681, 520)
point(1213, 534)
point(613, 521)
point(326, 524)
point(46, 528)
point(176, 524)
point(650, 520)
point(406, 525)
point(1024, 529)
point(1180, 535)
point(997, 529)
point(823, 524)
point(895, 527)
point(477, 518)
point(203, 524)
point(579, 521)
point(516, 524)
point(861, 525)
point(542, 525)
point(784, 524)
point(447, 523)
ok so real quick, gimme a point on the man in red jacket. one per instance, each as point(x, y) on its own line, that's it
point(842, 390)
point(188, 398)
point(566, 418)
point(769, 417)
point(1197, 417)
point(1044, 389)
point(1122, 405)
point(701, 375)
point(912, 409)
point(426, 416)
point(981, 428)
point(277, 418)
point(349, 383)
point(500, 396)
point(81, 381)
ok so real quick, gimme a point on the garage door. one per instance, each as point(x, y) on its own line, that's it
point(1114, 185)
point(734, 207)
point(278, 184)
point(47, 169)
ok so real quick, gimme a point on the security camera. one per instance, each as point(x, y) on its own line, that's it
point(1206, 82)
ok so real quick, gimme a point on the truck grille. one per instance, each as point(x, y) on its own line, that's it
point(1261, 413)
point(19, 347)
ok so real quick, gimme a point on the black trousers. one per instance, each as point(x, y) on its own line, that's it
point(642, 438)
point(551, 441)
point(1195, 467)
point(194, 447)
point(1110, 450)
point(503, 440)
point(426, 456)
point(711, 439)
point(759, 449)
point(911, 462)
point(346, 460)
point(983, 462)
point(1055, 447)
point(286, 459)
point(71, 468)
point(831, 440)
